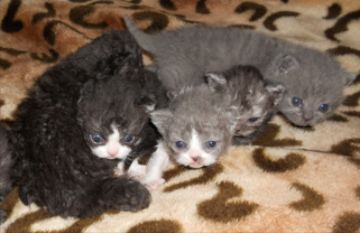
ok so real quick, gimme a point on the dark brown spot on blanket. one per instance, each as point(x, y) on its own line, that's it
point(333, 11)
point(201, 7)
point(291, 161)
point(49, 13)
point(259, 10)
point(352, 100)
point(341, 25)
point(311, 199)
point(338, 118)
point(159, 226)
point(348, 222)
point(209, 173)
point(269, 22)
point(9, 24)
point(347, 147)
point(268, 138)
point(219, 209)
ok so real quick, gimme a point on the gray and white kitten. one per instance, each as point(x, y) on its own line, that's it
point(196, 127)
point(314, 81)
point(202, 120)
point(6, 163)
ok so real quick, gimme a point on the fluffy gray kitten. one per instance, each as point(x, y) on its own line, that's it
point(314, 81)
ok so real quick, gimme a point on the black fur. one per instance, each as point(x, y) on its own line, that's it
point(55, 167)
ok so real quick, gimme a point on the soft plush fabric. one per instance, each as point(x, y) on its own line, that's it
point(291, 180)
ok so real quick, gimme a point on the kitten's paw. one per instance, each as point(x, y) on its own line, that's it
point(153, 184)
point(125, 194)
point(137, 172)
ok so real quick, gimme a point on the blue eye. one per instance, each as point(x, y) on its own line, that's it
point(253, 119)
point(323, 107)
point(180, 144)
point(128, 138)
point(210, 144)
point(297, 102)
point(96, 138)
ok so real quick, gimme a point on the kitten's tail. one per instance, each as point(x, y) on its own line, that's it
point(145, 40)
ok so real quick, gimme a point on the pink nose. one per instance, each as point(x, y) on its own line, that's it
point(196, 159)
point(113, 152)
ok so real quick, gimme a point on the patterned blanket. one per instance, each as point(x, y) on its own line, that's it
point(291, 180)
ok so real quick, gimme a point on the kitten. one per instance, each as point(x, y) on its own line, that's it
point(254, 101)
point(79, 99)
point(314, 81)
point(114, 117)
point(6, 163)
point(196, 127)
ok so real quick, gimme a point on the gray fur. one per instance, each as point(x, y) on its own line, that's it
point(185, 55)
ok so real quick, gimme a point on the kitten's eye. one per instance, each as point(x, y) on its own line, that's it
point(128, 138)
point(297, 102)
point(210, 144)
point(253, 119)
point(97, 138)
point(180, 144)
point(323, 107)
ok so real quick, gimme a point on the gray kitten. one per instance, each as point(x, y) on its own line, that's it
point(252, 99)
point(196, 128)
point(200, 121)
point(313, 80)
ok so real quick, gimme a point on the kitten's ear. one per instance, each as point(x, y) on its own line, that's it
point(159, 119)
point(283, 64)
point(148, 102)
point(215, 81)
point(349, 77)
point(277, 92)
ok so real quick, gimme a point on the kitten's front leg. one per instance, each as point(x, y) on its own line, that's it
point(155, 168)
point(136, 170)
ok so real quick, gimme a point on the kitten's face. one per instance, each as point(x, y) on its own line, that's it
point(195, 131)
point(195, 148)
point(315, 93)
point(111, 119)
point(253, 102)
point(111, 143)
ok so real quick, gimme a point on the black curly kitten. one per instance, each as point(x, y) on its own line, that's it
point(100, 90)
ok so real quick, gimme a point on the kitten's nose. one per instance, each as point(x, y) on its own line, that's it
point(113, 152)
point(307, 116)
point(196, 159)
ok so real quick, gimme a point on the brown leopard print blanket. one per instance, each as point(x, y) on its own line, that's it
point(290, 180)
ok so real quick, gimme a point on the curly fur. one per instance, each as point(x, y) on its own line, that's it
point(55, 167)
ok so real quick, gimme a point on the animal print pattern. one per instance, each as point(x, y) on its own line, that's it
point(291, 180)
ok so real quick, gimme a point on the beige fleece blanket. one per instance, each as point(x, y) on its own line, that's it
point(291, 179)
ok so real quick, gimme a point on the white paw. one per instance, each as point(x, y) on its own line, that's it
point(137, 172)
point(153, 184)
